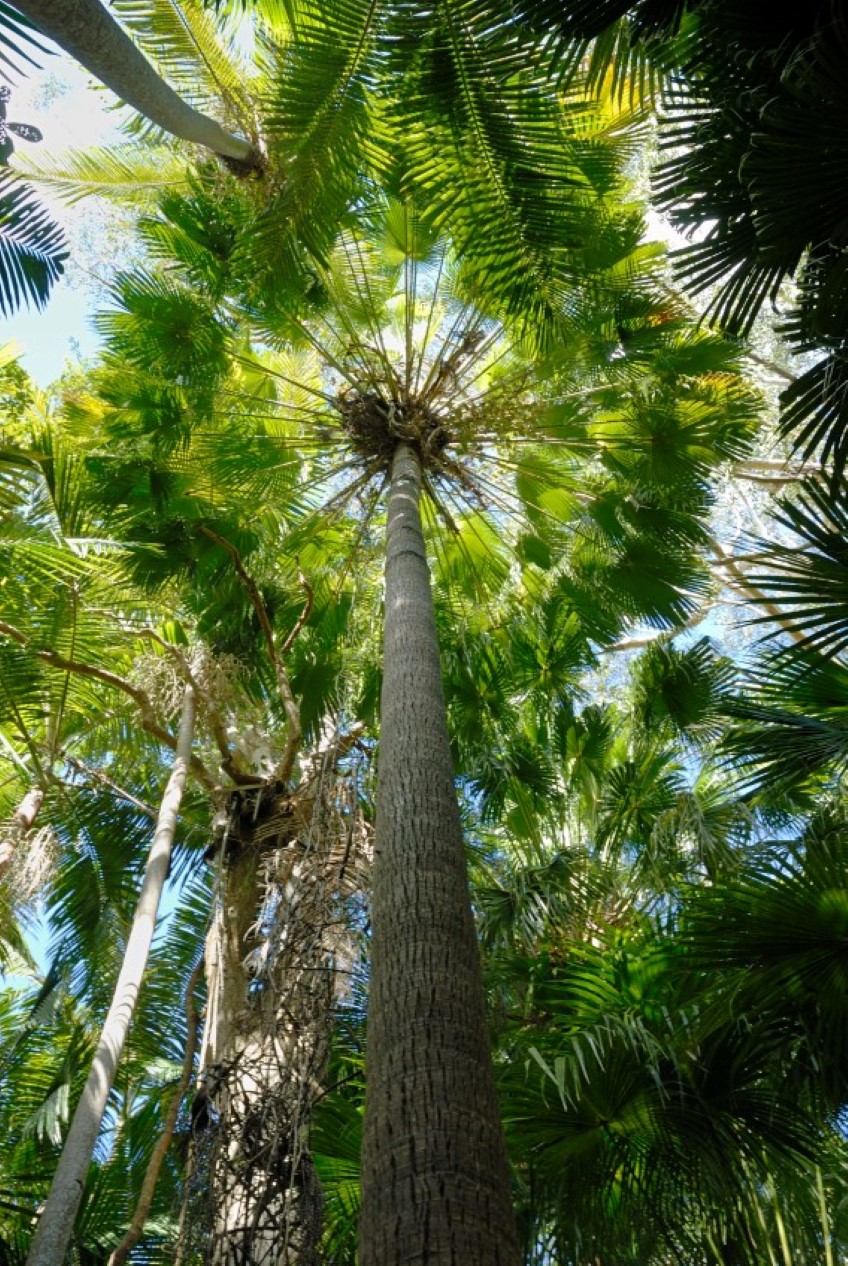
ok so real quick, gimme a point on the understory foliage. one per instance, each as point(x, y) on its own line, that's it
point(443, 252)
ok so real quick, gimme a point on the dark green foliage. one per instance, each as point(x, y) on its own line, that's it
point(782, 930)
point(795, 731)
point(753, 131)
point(165, 328)
point(18, 38)
point(807, 575)
point(680, 691)
point(32, 247)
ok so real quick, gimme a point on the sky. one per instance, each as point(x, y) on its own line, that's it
point(59, 98)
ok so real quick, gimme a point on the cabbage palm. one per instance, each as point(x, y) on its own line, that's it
point(389, 377)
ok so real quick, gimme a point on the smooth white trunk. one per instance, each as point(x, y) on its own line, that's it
point(88, 32)
point(56, 1222)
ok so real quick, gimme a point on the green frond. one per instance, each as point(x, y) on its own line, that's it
point(137, 175)
point(32, 248)
point(782, 930)
point(198, 59)
point(163, 327)
point(681, 689)
point(793, 734)
point(18, 39)
point(486, 140)
point(319, 124)
point(807, 576)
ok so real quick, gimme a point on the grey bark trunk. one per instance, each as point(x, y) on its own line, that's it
point(56, 1222)
point(436, 1186)
point(267, 1054)
point(89, 33)
point(272, 959)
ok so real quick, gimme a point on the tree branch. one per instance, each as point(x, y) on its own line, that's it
point(139, 697)
point(636, 643)
point(305, 613)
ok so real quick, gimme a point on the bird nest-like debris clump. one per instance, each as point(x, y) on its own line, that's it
point(376, 424)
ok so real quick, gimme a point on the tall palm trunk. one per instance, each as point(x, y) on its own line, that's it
point(435, 1178)
point(89, 33)
point(57, 1220)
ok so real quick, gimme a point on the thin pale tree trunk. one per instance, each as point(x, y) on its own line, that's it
point(56, 1222)
point(88, 32)
point(435, 1180)
point(22, 822)
point(120, 1254)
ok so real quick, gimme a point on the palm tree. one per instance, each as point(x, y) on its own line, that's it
point(620, 528)
point(434, 1168)
point(89, 33)
point(355, 375)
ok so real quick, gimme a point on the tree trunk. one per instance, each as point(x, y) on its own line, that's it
point(89, 33)
point(273, 957)
point(57, 1220)
point(22, 822)
point(435, 1181)
point(266, 1060)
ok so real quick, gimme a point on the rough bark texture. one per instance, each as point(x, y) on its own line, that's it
point(86, 30)
point(435, 1180)
point(56, 1222)
point(274, 960)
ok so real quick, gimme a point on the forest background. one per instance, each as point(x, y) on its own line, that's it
point(425, 268)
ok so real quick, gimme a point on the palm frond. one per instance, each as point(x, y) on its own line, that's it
point(499, 147)
point(18, 38)
point(137, 175)
point(680, 688)
point(319, 124)
point(192, 52)
point(807, 576)
point(793, 733)
point(32, 247)
point(782, 929)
